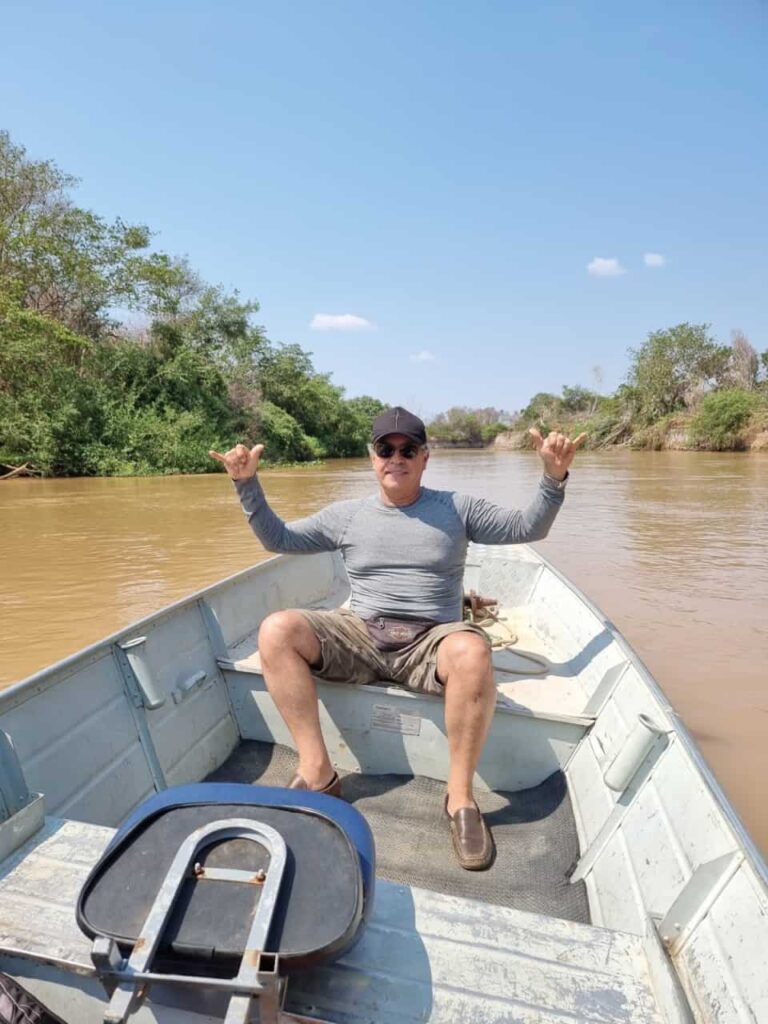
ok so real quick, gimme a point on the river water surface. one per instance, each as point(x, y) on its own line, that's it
point(673, 546)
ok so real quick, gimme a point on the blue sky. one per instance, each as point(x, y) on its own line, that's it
point(447, 172)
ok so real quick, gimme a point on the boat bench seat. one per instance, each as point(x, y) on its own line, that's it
point(526, 742)
point(560, 697)
point(423, 956)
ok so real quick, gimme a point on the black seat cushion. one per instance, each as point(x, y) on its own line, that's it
point(325, 897)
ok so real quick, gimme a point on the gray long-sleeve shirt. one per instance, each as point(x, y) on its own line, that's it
point(408, 561)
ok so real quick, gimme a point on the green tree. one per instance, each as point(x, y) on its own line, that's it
point(542, 408)
point(48, 409)
point(288, 380)
point(474, 427)
point(578, 399)
point(63, 261)
point(359, 414)
point(367, 409)
point(674, 367)
point(282, 436)
point(217, 324)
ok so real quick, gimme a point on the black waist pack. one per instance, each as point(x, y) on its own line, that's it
point(393, 634)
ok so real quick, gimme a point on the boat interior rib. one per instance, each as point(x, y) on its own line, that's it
point(153, 868)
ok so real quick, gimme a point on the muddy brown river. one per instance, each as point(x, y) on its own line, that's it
point(673, 546)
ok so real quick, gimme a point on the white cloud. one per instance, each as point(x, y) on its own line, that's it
point(601, 266)
point(339, 322)
point(653, 259)
point(423, 357)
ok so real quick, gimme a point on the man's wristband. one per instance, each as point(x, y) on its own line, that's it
point(554, 482)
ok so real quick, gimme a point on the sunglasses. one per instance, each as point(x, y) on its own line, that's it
point(384, 450)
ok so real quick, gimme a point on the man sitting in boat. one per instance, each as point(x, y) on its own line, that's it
point(404, 550)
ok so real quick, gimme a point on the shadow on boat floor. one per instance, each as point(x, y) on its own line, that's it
point(534, 832)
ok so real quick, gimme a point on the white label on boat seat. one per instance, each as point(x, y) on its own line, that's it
point(384, 716)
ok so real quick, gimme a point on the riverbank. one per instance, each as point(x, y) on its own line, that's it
point(673, 433)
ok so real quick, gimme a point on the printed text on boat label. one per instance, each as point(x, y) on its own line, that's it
point(384, 716)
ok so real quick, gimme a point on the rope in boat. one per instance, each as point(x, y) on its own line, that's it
point(484, 612)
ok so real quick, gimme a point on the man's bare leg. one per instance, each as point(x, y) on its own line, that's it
point(464, 667)
point(288, 646)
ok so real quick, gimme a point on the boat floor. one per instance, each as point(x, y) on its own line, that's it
point(534, 831)
point(423, 956)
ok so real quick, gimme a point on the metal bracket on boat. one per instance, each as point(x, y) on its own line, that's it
point(696, 898)
point(188, 686)
point(127, 982)
point(213, 629)
point(21, 812)
point(14, 793)
point(605, 689)
point(136, 672)
point(138, 700)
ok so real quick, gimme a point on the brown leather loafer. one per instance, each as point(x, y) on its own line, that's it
point(333, 788)
point(472, 840)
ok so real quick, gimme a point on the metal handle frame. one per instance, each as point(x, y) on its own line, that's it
point(127, 982)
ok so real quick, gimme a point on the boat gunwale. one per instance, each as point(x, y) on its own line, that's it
point(40, 681)
point(16, 694)
point(737, 826)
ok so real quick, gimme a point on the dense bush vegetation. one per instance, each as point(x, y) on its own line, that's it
point(720, 419)
point(81, 394)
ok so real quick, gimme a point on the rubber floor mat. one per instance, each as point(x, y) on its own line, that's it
point(534, 832)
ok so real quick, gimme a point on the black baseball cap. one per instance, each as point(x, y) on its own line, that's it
point(399, 421)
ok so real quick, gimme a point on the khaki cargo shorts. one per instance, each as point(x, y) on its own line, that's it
point(348, 655)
